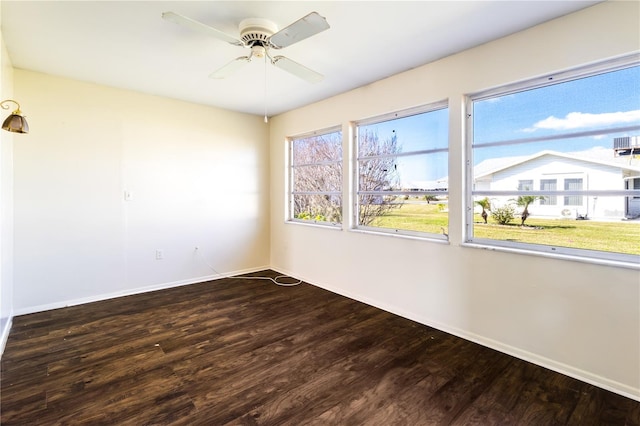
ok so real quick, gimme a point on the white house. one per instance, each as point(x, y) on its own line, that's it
point(596, 169)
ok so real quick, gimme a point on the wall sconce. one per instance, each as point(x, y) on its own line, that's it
point(15, 122)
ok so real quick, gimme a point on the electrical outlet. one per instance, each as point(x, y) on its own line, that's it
point(159, 254)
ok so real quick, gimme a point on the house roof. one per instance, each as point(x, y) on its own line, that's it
point(599, 155)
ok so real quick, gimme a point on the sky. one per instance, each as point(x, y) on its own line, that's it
point(600, 102)
point(603, 102)
point(425, 131)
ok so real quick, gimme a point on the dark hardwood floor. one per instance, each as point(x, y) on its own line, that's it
point(248, 352)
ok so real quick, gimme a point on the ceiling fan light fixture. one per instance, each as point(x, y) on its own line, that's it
point(258, 51)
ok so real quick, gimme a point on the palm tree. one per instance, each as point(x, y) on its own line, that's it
point(486, 205)
point(525, 200)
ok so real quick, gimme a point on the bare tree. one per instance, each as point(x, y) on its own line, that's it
point(379, 173)
point(318, 169)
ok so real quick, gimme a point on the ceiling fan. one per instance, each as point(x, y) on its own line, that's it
point(261, 36)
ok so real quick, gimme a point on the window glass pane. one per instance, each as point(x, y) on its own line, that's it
point(571, 147)
point(405, 134)
point(566, 229)
point(572, 184)
point(318, 208)
point(407, 173)
point(603, 101)
point(316, 178)
point(316, 149)
point(407, 213)
point(548, 185)
point(634, 183)
point(424, 172)
point(525, 185)
point(418, 172)
point(402, 173)
point(380, 174)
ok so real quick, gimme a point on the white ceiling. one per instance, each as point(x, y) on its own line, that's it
point(126, 44)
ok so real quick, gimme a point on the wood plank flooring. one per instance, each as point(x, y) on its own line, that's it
point(248, 352)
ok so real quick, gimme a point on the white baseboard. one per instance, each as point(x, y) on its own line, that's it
point(5, 334)
point(567, 370)
point(130, 292)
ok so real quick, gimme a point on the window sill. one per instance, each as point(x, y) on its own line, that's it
point(323, 225)
point(561, 256)
point(435, 238)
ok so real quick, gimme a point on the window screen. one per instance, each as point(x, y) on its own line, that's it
point(552, 158)
point(401, 175)
point(315, 177)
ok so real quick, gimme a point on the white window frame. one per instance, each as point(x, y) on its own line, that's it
point(591, 256)
point(289, 208)
point(355, 226)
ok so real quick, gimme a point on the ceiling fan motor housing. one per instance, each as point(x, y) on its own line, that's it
point(257, 31)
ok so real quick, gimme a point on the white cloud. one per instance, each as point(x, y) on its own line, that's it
point(581, 120)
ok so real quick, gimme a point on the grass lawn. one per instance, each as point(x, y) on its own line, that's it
point(420, 217)
point(615, 236)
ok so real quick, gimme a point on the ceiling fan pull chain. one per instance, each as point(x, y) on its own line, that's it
point(266, 120)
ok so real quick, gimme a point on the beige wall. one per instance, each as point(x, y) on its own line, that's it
point(583, 319)
point(198, 176)
point(6, 201)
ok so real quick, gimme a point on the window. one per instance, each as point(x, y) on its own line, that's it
point(401, 172)
point(525, 185)
point(633, 203)
point(634, 184)
point(553, 161)
point(548, 185)
point(315, 178)
point(573, 185)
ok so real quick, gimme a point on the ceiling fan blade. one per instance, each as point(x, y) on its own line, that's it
point(230, 68)
point(303, 28)
point(296, 69)
point(200, 27)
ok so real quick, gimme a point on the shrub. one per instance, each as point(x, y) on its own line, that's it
point(504, 214)
point(310, 216)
